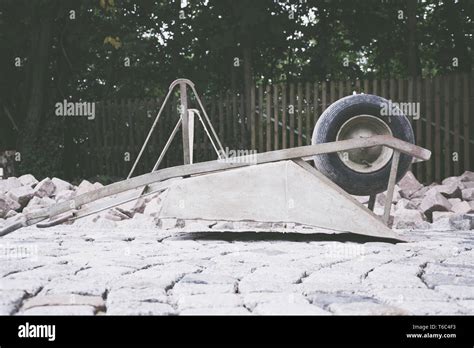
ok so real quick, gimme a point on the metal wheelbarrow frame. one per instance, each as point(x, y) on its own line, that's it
point(156, 181)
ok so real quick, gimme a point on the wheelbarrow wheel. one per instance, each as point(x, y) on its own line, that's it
point(361, 171)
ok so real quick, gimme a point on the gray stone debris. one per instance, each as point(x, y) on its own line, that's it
point(467, 176)
point(440, 215)
point(61, 185)
point(9, 184)
point(38, 203)
point(422, 191)
point(468, 194)
point(405, 204)
point(125, 261)
point(413, 205)
point(462, 221)
point(84, 187)
point(409, 185)
point(45, 188)
point(28, 180)
point(434, 202)
point(449, 191)
point(22, 195)
point(407, 219)
point(7, 204)
point(463, 207)
point(64, 195)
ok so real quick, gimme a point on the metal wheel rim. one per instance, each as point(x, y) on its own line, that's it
point(370, 159)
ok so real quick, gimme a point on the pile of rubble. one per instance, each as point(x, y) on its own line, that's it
point(446, 207)
point(26, 194)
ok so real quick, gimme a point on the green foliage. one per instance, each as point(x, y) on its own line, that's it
point(45, 157)
point(288, 40)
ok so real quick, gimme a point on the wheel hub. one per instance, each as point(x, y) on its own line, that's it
point(369, 159)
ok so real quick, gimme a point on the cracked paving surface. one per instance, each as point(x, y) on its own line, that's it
point(145, 271)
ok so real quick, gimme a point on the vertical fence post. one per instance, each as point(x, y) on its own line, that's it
point(300, 115)
point(447, 136)
point(437, 153)
point(292, 115)
point(428, 127)
point(323, 96)
point(268, 100)
point(275, 117)
point(466, 123)
point(260, 119)
point(307, 113)
point(253, 133)
point(222, 117)
point(456, 125)
point(229, 123)
point(284, 143)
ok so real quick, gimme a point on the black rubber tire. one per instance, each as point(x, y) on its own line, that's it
point(332, 166)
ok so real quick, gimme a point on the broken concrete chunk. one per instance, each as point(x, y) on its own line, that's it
point(467, 176)
point(28, 180)
point(11, 214)
point(38, 203)
point(45, 188)
point(9, 184)
point(462, 208)
point(468, 184)
point(448, 191)
point(65, 195)
point(451, 180)
point(462, 221)
point(84, 187)
point(468, 194)
point(409, 185)
point(434, 202)
point(422, 191)
point(22, 195)
point(454, 201)
point(405, 204)
point(61, 185)
point(440, 215)
point(7, 204)
point(407, 219)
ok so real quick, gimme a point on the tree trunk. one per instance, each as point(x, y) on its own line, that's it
point(38, 68)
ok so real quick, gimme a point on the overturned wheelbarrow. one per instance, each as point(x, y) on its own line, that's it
point(355, 150)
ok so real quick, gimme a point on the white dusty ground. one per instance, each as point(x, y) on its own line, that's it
point(110, 268)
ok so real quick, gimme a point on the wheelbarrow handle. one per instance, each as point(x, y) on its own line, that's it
point(12, 227)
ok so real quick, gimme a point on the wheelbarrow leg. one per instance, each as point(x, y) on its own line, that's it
point(391, 186)
point(371, 202)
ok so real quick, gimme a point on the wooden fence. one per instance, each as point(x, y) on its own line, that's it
point(282, 116)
